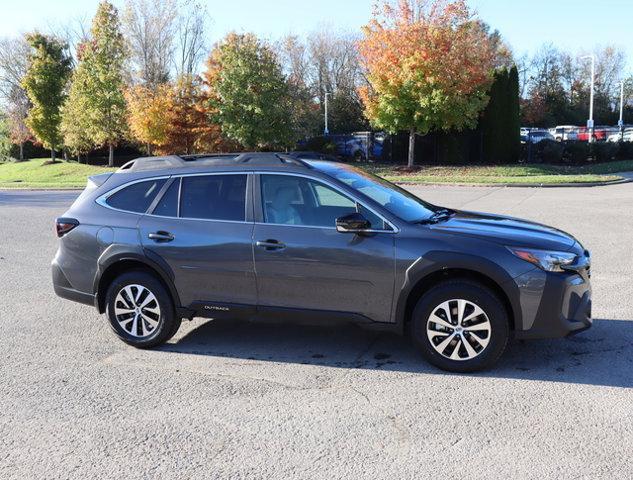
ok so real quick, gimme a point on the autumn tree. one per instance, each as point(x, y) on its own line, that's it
point(185, 116)
point(429, 65)
point(249, 93)
point(44, 82)
point(17, 112)
point(100, 76)
point(149, 114)
point(14, 54)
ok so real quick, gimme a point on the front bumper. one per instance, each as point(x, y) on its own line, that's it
point(564, 307)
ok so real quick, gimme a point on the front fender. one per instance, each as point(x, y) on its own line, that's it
point(436, 261)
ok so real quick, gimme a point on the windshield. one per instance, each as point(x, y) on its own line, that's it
point(394, 199)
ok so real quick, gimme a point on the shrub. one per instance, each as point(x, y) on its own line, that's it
point(576, 152)
point(452, 149)
point(603, 151)
point(551, 151)
point(626, 151)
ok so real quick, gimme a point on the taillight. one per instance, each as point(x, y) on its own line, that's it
point(65, 225)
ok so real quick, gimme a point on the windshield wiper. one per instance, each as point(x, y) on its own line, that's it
point(438, 216)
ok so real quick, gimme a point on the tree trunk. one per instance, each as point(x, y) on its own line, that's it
point(52, 155)
point(21, 151)
point(149, 149)
point(65, 154)
point(111, 156)
point(411, 157)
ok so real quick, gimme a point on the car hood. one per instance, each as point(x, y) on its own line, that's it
point(506, 230)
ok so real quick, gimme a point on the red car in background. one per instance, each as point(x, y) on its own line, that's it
point(599, 134)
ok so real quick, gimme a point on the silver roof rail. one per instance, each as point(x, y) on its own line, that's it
point(175, 161)
point(152, 163)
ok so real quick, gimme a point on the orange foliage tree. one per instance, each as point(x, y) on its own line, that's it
point(148, 114)
point(429, 65)
point(172, 118)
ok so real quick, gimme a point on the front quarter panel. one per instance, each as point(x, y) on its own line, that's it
point(421, 251)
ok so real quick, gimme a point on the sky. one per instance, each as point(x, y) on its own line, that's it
point(574, 25)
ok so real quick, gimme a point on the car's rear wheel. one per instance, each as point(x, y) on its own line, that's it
point(460, 326)
point(140, 310)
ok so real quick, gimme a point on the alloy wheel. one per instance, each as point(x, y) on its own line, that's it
point(137, 311)
point(458, 329)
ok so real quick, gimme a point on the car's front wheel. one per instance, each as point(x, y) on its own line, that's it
point(460, 326)
point(140, 310)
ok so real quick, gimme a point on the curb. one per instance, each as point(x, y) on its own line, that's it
point(523, 185)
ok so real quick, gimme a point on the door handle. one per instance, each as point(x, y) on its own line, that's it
point(161, 236)
point(270, 244)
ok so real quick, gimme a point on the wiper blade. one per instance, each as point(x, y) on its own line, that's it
point(438, 216)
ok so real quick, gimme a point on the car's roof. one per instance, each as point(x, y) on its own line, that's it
point(146, 167)
point(238, 160)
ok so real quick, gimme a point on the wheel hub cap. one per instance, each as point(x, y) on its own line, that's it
point(137, 311)
point(458, 329)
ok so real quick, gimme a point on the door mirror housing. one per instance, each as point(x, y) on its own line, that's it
point(352, 223)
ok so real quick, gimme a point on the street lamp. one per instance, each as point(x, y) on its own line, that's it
point(621, 120)
point(325, 130)
point(590, 121)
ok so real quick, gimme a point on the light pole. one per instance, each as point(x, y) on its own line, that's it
point(325, 130)
point(590, 121)
point(621, 121)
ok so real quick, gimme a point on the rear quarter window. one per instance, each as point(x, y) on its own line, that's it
point(136, 197)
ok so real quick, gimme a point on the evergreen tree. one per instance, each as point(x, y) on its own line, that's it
point(44, 82)
point(500, 120)
point(514, 116)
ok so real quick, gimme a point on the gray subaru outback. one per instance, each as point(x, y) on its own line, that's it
point(258, 235)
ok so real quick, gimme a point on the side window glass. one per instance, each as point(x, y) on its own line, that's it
point(214, 197)
point(137, 197)
point(326, 197)
point(290, 200)
point(168, 205)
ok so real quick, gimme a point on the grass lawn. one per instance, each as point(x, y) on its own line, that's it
point(479, 174)
point(33, 174)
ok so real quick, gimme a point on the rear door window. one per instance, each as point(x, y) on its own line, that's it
point(136, 197)
point(168, 205)
point(214, 197)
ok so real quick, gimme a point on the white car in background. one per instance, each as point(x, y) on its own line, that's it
point(562, 133)
point(627, 136)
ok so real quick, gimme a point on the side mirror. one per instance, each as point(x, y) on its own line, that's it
point(352, 223)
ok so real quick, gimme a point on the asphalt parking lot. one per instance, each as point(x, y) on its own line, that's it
point(240, 400)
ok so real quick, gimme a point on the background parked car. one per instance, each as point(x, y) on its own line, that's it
point(538, 136)
point(627, 136)
point(599, 134)
point(563, 133)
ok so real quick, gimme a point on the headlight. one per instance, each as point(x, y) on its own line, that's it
point(547, 260)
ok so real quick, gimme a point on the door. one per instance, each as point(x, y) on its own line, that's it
point(302, 262)
point(202, 229)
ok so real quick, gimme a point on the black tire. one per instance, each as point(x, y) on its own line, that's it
point(478, 295)
point(168, 321)
point(359, 156)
